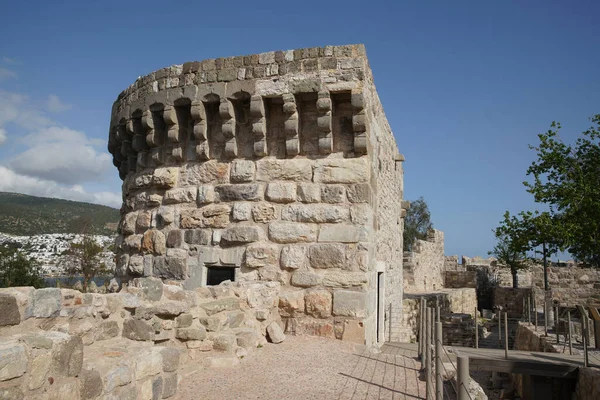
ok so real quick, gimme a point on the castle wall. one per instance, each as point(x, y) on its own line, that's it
point(272, 167)
point(425, 264)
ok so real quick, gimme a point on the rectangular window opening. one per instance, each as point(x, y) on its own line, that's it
point(217, 275)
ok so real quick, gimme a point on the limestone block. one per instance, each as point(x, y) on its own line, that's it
point(309, 192)
point(136, 329)
point(166, 215)
point(247, 338)
point(242, 211)
point(184, 321)
point(11, 393)
point(362, 214)
point(215, 322)
point(354, 331)
point(318, 303)
point(198, 333)
point(342, 170)
point(210, 171)
point(284, 170)
point(206, 194)
point(336, 278)
point(90, 384)
point(239, 192)
point(333, 193)
point(348, 303)
point(128, 224)
point(241, 234)
point(242, 171)
point(261, 255)
point(198, 236)
point(180, 195)
point(281, 192)
point(106, 330)
point(172, 266)
point(154, 199)
point(340, 233)
point(152, 290)
point(224, 341)
point(318, 213)
point(359, 193)
point(13, 360)
point(153, 241)
point(211, 216)
point(293, 257)
point(175, 238)
point(38, 369)
point(291, 303)
point(10, 314)
point(163, 309)
point(165, 177)
point(291, 232)
point(304, 278)
point(46, 303)
point(275, 333)
point(147, 362)
point(136, 265)
point(133, 242)
point(217, 306)
point(169, 385)
point(327, 255)
point(264, 212)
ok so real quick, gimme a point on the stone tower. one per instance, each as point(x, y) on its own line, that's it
point(278, 166)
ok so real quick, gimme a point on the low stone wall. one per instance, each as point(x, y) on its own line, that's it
point(460, 279)
point(60, 343)
point(513, 301)
point(570, 285)
point(526, 339)
point(588, 384)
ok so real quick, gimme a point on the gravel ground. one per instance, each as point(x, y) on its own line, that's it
point(307, 368)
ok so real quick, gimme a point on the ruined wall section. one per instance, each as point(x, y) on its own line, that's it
point(424, 266)
point(262, 164)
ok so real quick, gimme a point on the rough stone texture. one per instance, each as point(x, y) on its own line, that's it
point(10, 314)
point(226, 161)
point(46, 303)
point(349, 303)
point(318, 303)
point(275, 332)
point(13, 361)
point(424, 266)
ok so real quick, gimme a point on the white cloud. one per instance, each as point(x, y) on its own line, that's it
point(2, 135)
point(10, 181)
point(18, 109)
point(54, 104)
point(6, 73)
point(10, 61)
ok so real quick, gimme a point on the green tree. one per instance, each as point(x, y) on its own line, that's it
point(83, 259)
point(17, 270)
point(416, 223)
point(512, 243)
point(567, 179)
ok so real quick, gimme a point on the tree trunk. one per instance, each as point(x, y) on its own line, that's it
point(515, 278)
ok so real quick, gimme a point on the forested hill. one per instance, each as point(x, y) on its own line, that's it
point(26, 215)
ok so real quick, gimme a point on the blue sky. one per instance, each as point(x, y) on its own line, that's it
point(466, 86)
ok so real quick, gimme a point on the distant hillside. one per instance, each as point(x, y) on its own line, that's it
point(25, 215)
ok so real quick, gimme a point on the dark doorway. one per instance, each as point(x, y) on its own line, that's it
point(216, 275)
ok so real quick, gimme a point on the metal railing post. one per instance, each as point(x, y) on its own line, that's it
point(585, 340)
point(421, 330)
point(500, 327)
point(569, 322)
point(535, 313)
point(545, 318)
point(476, 329)
point(556, 325)
point(439, 383)
point(462, 377)
point(529, 310)
point(428, 363)
point(506, 335)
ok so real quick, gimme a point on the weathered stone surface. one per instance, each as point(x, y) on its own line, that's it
point(359, 193)
point(206, 194)
point(46, 303)
point(303, 278)
point(166, 215)
point(38, 369)
point(275, 333)
point(13, 360)
point(10, 314)
point(136, 329)
point(148, 362)
point(247, 338)
point(293, 257)
point(165, 177)
point(133, 242)
point(180, 195)
point(128, 224)
point(240, 192)
point(290, 232)
point(339, 233)
point(337, 278)
point(261, 254)
point(348, 303)
point(210, 171)
point(136, 265)
point(152, 289)
point(184, 321)
point(198, 333)
point(90, 384)
point(217, 306)
point(342, 170)
point(318, 303)
point(318, 213)
point(157, 387)
point(211, 216)
point(224, 341)
point(242, 211)
point(198, 236)
point(175, 238)
point(163, 309)
point(309, 192)
point(362, 214)
point(240, 235)
point(154, 241)
point(11, 393)
point(327, 255)
point(264, 212)
point(106, 330)
point(242, 171)
point(291, 303)
point(281, 192)
point(67, 358)
point(174, 265)
point(169, 385)
point(333, 193)
point(354, 331)
point(143, 221)
point(276, 170)
point(215, 322)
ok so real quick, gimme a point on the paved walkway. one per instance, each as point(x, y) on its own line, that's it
point(308, 368)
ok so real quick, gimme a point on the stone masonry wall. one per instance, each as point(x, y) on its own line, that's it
point(424, 266)
point(281, 167)
point(62, 344)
